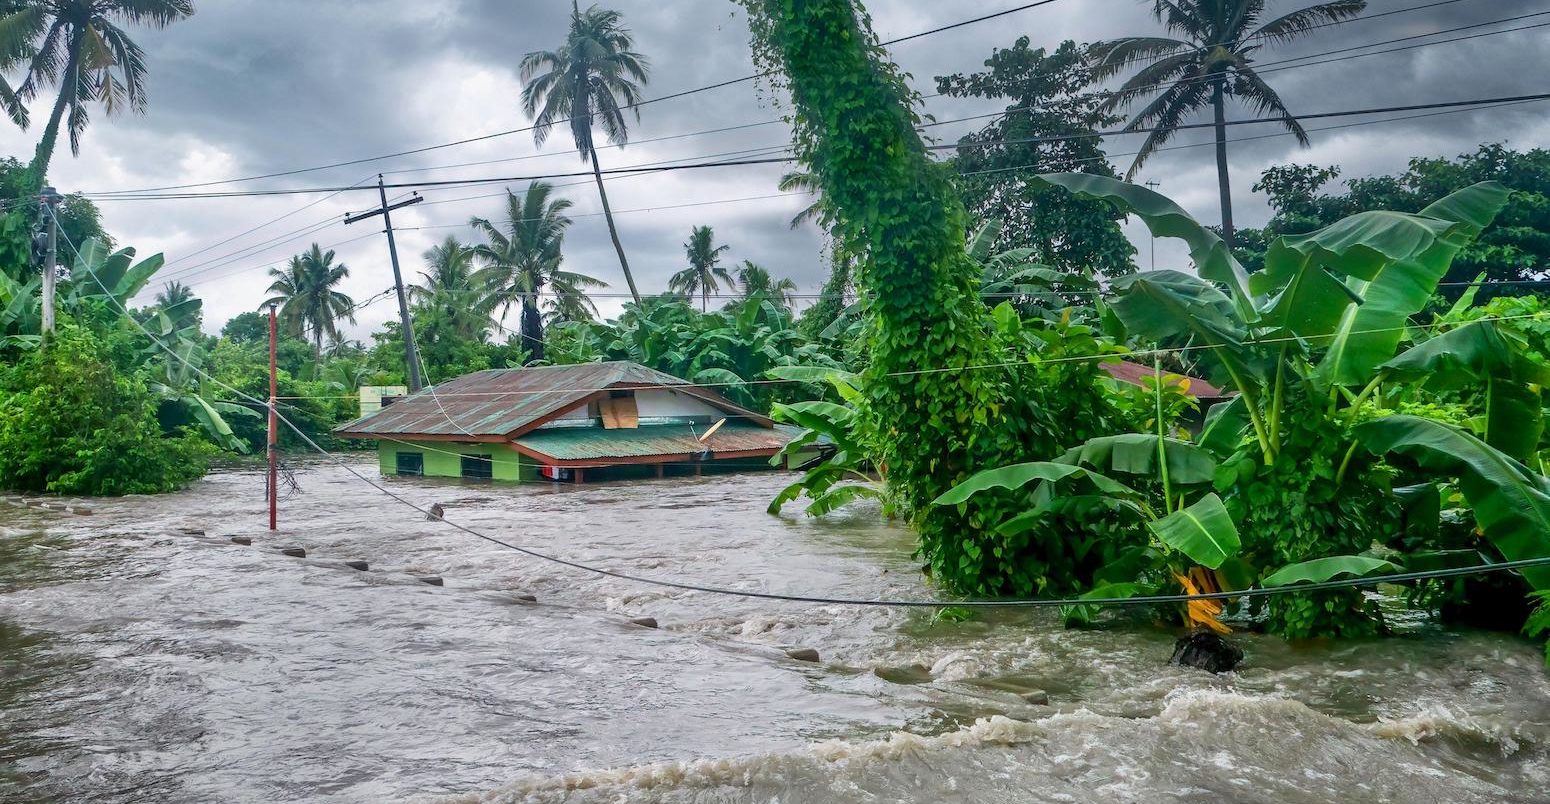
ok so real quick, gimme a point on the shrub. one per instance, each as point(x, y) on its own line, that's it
point(74, 420)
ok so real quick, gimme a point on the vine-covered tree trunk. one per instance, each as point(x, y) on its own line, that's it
point(855, 130)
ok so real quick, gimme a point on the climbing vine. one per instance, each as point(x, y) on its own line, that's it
point(854, 130)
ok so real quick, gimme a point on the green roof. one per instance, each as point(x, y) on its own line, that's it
point(648, 440)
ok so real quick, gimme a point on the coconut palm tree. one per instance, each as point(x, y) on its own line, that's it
point(173, 293)
point(701, 275)
point(523, 255)
point(452, 290)
point(754, 279)
point(305, 292)
point(800, 181)
point(1210, 61)
point(79, 46)
point(588, 82)
point(341, 346)
point(178, 302)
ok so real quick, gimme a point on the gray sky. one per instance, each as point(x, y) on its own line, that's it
point(256, 86)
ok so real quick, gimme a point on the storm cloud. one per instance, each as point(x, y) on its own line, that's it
point(251, 87)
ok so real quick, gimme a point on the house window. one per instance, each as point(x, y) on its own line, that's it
point(411, 463)
point(478, 467)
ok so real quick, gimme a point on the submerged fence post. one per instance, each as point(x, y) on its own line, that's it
point(274, 491)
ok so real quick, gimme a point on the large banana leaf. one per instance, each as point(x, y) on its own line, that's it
point(1203, 531)
point(1162, 305)
point(19, 311)
point(826, 418)
point(1224, 427)
point(1462, 357)
point(1166, 219)
point(1019, 475)
point(1481, 355)
point(1395, 288)
point(841, 495)
point(98, 273)
point(1322, 569)
point(979, 244)
point(1136, 454)
point(1511, 503)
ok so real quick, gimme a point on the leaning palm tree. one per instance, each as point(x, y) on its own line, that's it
point(1210, 62)
point(522, 256)
point(589, 81)
point(451, 289)
point(304, 290)
point(754, 279)
point(701, 275)
point(78, 46)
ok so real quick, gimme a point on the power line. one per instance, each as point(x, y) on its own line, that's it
point(652, 169)
point(1264, 68)
point(1036, 602)
point(1454, 110)
point(509, 132)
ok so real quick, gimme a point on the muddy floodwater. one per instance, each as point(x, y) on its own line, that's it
point(146, 657)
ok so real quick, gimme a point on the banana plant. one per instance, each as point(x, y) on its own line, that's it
point(1329, 309)
point(181, 387)
point(20, 320)
point(98, 273)
point(841, 474)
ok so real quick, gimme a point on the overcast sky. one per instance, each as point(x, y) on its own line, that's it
point(249, 87)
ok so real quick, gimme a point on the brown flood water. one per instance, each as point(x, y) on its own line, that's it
point(141, 662)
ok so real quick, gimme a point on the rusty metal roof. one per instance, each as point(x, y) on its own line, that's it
point(500, 403)
point(666, 440)
point(1133, 373)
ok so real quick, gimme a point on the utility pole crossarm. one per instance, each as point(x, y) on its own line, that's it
point(360, 216)
point(411, 352)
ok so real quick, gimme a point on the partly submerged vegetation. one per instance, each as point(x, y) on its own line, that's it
point(1382, 411)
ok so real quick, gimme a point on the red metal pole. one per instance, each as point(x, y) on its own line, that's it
point(274, 422)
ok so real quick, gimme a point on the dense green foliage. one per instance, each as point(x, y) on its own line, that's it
point(1514, 248)
point(733, 348)
point(1048, 127)
point(892, 204)
point(76, 418)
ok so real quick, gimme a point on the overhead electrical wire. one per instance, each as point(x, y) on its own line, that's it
point(986, 144)
point(650, 168)
point(1263, 67)
point(509, 132)
point(1453, 108)
point(1371, 580)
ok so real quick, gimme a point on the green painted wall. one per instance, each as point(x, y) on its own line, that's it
point(444, 459)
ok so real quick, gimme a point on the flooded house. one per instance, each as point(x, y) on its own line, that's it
point(571, 423)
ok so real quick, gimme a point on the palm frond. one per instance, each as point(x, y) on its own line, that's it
point(1291, 25)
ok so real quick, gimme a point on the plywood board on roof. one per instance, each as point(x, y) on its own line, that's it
point(619, 413)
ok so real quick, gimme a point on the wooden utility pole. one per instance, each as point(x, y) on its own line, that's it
point(49, 203)
point(411, 354)
point(274, 421)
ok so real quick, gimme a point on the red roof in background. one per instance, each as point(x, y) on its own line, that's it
point(1126, 371)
